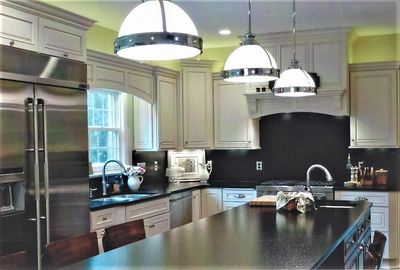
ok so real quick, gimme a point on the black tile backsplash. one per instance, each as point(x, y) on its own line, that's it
point(290, 143)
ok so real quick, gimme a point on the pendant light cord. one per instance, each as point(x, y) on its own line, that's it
point(294, 61)
point(164, 21)
point(249, 15)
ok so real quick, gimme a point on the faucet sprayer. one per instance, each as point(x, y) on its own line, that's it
point(327, 174)
point(104, 181)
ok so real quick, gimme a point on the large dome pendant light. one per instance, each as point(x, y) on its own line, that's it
point(158, 30)
point(250, 62)
point(294, 82)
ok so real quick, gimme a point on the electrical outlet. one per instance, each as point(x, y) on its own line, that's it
point(259, 165)
point(155, 165)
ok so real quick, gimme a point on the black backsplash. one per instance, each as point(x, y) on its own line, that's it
point(290, 143)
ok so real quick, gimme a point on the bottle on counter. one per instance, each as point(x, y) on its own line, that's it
point(348, 166)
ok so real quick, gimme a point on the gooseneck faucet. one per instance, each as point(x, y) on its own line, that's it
point(104, 181)
point(327, 174)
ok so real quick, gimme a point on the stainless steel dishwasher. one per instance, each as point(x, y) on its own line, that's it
point(180, 207)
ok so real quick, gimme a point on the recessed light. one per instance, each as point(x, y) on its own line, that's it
point(224, 32)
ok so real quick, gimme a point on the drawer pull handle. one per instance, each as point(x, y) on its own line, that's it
point(152, 226)
point(65, 54)
point(240, 196)
point(12, 42)
point(361, 199)
point(104, 218)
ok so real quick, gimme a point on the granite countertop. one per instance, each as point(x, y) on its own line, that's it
point(244, 237)
point(365, 188)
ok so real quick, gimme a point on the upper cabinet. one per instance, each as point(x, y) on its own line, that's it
point(321, 51)
point(42, 28)
point(166, 110)
point(374, 115)
point(197, 104)
point(233, 128)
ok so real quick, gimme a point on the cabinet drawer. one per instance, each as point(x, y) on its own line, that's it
point(18, 29)
point(147, 209)
point(237, 195)
point(376, 198)
point(157, 224)
point(380, 218)
point(62, 40)
point(106, 217)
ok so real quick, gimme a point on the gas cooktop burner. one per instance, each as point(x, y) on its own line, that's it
point(295, 183)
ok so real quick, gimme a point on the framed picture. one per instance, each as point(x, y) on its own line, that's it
point(189, 160)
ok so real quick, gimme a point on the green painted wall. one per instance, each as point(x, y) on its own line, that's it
point(364, 49)
point(376, 49)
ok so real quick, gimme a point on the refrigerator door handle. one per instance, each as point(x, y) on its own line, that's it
point(43, 104)
point(36, 178)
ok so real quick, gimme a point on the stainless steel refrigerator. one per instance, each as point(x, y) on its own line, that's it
point(44, 179)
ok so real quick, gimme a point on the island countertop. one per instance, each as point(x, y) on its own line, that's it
point(244, 237)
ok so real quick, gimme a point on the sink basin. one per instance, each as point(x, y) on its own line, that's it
point(336, 204)
point(132, 196)
point(111, 199)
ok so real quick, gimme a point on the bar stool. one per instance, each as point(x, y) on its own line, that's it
point(123, 234)
point(18, 260)
point(375, 250)
point(68, 251)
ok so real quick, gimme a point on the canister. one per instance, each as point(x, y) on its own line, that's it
point(381, 177)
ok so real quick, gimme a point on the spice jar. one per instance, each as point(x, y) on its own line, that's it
point(381, 177)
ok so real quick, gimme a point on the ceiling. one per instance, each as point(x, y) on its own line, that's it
point(367, 17)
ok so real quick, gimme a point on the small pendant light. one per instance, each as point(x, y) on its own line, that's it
point(158, 30)
point(250, 62)
point(294, 82)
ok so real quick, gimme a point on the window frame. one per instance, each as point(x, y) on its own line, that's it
point(125, 132)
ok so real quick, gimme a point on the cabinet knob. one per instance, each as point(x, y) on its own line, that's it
point(186, 142)
point(65, 54)
point(152, 226)
point(352, 140)
point(249, 141)
point(12, 42)
point(104, 218)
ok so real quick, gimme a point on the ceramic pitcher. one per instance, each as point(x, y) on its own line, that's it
point(205, 171)
point(134, 182)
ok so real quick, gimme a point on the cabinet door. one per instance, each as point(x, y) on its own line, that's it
point(197, 107)
point(143, 125)
point(140, 84)
point(18, 29)
point(232, 126)
point(62, 40)
point(211, 201)
point(374, 113)
point(167, 112)
point(196, 205)
point(157, 224)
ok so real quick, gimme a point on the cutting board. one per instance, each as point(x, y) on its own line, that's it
point(269, 200)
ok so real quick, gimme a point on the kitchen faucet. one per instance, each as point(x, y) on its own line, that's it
point(327, 174)
point(104, 181)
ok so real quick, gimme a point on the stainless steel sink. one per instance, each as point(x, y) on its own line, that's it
point(336, 204)
point(132, 196)
point(111, 199)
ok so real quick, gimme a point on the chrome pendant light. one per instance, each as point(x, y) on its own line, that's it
point(250, 62)
point(158, 30)
point(294, 82)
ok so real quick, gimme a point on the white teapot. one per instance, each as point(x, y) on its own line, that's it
point(205, 171)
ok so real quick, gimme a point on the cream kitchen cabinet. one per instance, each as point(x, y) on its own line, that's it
point(39, 27)
point(374, 115)
point(196, 205)
point(167, 112)
point(197, 104)
point(101, 219)
point(157, 224)
point(233, 127)
point(211, 201)
point(143, 125)
point(384, 216)
point(233, 197)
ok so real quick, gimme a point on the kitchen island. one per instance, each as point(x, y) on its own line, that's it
point(248, 237)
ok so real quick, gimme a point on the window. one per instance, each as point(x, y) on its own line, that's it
point(104, 122)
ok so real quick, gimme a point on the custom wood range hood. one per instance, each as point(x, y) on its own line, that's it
point(322, 51)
